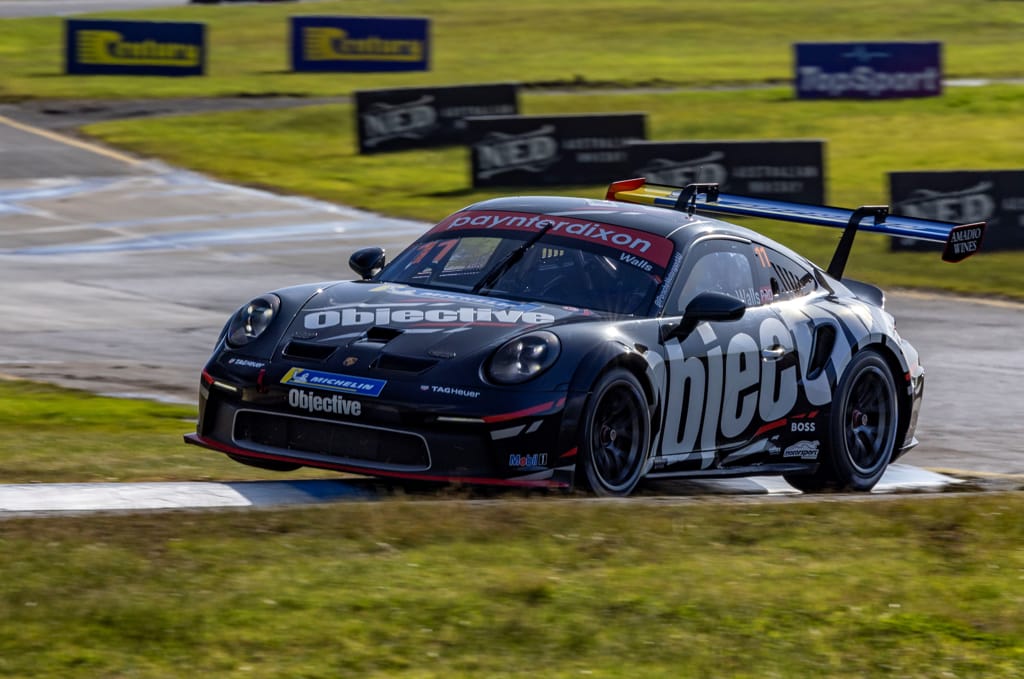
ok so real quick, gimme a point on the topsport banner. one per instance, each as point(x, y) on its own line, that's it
point(106, 47)
point(868, 70)
point(359, 44)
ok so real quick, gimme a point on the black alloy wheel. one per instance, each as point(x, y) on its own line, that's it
point(616, 435)
point(862, 431)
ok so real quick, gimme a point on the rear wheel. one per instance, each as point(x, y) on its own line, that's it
point(862, 431)
point(615, 435)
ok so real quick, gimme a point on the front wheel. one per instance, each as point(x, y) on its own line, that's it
point(862, 431)
point(615, 436)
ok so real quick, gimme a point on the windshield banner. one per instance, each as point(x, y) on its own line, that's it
point(639, 244)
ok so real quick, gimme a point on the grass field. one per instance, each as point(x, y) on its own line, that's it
point(312, 151)
point(537, 585)
point(50, 435)
point(589, 42)
point(546, 587)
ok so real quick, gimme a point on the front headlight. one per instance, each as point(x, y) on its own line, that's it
point(524, 358)
point(252, 320)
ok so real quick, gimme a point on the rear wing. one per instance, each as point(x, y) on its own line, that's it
point(961, 241)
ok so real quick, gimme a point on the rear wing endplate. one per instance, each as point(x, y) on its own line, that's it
point(961, 240)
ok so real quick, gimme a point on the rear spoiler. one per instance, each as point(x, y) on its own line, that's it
point(961, 241)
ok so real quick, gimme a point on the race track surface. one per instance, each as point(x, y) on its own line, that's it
point(118, 274)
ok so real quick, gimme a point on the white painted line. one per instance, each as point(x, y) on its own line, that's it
point(94, 497)
point(91, 497)
point(85, 497)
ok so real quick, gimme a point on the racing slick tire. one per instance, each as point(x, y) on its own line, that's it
point(616, 435)
point(862, 429)
point(272, 465)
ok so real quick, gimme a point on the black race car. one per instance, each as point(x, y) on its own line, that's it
point(549, 341)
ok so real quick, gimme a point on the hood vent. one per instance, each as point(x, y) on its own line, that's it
point(311, 351)
point(405, 364)
point(381, 334)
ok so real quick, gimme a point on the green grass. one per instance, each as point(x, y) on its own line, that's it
point(592, 42)
point(546, 587)
point(50, 435)
point(540, 585)
point(313, 151)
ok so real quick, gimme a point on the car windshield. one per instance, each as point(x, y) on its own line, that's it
point(617, 274)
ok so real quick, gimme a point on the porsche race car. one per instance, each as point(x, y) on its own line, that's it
point(562, 342)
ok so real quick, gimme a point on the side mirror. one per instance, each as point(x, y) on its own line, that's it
point(707, 306)
point(367, 262)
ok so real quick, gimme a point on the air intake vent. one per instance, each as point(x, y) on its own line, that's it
point(310, 351)
point(382, 334)
point(406, 364)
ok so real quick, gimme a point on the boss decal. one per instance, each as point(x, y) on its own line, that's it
point(335, 404)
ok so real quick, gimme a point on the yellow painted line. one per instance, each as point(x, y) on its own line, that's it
point(70, 141)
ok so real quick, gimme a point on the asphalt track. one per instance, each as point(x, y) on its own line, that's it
point(118, 273)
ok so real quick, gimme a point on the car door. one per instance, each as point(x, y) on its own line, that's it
point(715, 404)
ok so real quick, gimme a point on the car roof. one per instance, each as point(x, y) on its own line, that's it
point(681, 227)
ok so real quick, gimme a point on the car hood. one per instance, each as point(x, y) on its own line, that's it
point(401, 321)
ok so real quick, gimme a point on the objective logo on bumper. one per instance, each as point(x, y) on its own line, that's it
point(336, 404)
point(363, 386)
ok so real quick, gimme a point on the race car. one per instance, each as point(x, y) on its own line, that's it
point(571, 342)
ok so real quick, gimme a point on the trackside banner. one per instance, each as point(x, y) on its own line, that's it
point(105, 47)
point(550, 150)
point(962, 197)
point(780, 170)
point(409, 118)
point(868, 70)
point(359, 44)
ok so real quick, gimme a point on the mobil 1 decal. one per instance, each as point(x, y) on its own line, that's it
point(550, 150)
point(780, 170)
point(723, 393)
point(421, 117)
point(962, 197)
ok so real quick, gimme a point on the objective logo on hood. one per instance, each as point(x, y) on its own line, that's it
point(328, 318)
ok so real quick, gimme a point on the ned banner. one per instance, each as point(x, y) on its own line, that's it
point(789, 170)
point(868, 70)
point(107, 47)
point(551, 150)
point(359, 44)
point(962, 197)
point(422, 117)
